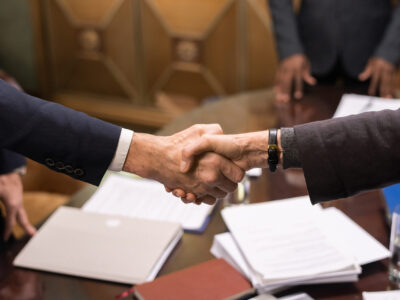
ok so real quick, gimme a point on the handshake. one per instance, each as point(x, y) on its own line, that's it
point(198, 164)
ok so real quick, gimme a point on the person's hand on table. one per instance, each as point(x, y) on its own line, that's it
point(382, 75)
point(11, 194)
point(292, 72)
point(249, 150)
point(156, 157)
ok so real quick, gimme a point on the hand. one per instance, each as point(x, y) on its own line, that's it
point(293, 70)
point(11, 194)
point(157, 157)
point(382, 74)
point(249, 150)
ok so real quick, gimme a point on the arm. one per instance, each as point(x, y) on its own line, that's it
point(389, 48)
point(340, 157)
point(285, 28)
point(294, 66)
point(68, 141)
point(381, 68)
point(51, 134)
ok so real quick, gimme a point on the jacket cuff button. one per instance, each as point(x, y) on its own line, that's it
point(78, 172)
point(49, 162)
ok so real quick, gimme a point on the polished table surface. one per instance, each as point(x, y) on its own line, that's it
point(247, 112)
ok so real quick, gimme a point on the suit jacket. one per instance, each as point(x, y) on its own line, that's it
point(343, 156)
point(65, 140)
point(9, 161)
point(330, 30)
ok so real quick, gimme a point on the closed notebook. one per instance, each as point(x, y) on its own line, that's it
point(214, 279)
point(120, 249)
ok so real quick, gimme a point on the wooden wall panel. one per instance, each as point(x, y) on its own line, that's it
point(156, 49)
point(261, 52)
point(221, 50)
point(188, 18)
point(124, 52)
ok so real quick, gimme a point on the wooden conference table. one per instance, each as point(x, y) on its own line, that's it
point(247, 112)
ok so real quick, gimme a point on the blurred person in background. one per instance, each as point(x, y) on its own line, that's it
point(356, 41)
point(12, 167)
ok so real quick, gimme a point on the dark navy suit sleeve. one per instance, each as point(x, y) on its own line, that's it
point(9, 161)
point(343, 156)
point(389, 47)
point(65, 140)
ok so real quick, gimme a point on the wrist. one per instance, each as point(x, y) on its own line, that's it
point(141, 156)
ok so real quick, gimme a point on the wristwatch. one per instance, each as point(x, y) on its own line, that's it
point(273, 153)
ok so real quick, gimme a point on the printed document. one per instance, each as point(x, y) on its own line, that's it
point(146, 199)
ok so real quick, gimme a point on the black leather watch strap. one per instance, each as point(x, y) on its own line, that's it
point(273, 153)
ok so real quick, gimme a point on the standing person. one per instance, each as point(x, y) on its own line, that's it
point(357, 41)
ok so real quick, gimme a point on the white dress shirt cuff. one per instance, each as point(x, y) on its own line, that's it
point(124, 143)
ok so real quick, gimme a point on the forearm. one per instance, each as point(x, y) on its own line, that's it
point(341, 157)
point(63, 139)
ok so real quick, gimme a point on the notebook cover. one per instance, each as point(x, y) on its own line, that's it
point(92, 245)
point(214, 279)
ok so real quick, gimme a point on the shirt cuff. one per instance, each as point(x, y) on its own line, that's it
point(21, 170)
point(124, 143)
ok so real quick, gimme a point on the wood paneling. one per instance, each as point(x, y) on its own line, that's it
point(124, 52)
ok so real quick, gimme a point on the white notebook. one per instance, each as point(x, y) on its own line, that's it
point(120, 249)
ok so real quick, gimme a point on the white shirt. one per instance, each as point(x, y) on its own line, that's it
point(124, 143)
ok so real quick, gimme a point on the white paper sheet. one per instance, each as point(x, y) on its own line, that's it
point(282, 241)
point(386, 295)
point(225, 247)
point(352, 238)
point(352, 104)
point(147, 199)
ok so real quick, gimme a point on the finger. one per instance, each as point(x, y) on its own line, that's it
point(179, 193)
point(286, 86)
point(364, 75)
point(279, 95)
point(308, 78)
point(385, 85)
point(23, 220)
point(298, 81)
point(231, 171)
point(207, 200)
point(226, 185)
point(167, 189)
point(374, 83)
point(10, 223)
point(191, 197)
point(185, 200)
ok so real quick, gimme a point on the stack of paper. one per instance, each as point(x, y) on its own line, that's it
point(147, 199)
point(352, 104)
point(290, 242)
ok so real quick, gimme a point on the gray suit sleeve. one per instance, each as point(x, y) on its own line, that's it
point(285, 28)
point(389, 48)
point(343, 156)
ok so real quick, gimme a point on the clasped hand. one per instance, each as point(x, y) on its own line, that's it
point(246, 151)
